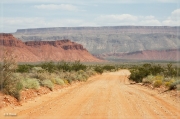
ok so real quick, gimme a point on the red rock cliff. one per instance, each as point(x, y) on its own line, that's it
point(34, 51)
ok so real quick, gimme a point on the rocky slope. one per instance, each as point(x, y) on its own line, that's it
point(150, 55)
point(110, 40)
point(35, 51)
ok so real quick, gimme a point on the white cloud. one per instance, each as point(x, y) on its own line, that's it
point(117, 18)
point(126, 19)
point(12, 24)
point(67, 7)
point(176, 12)
point(174, 19)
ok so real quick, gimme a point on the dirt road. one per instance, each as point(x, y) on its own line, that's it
point(107, 96)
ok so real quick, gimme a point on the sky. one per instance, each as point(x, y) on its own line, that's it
point(23, 14)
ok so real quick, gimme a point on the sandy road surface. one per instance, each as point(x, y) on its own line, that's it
point(107, 96)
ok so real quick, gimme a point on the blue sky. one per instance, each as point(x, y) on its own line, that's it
point(22, 14)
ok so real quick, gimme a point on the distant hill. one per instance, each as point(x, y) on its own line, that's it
point(110, 40)
point(37, 51)
point(146, 55)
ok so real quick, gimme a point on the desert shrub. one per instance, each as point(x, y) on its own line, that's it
point(37, 70)
point(64, 66)
point(136, 76)
point(148, 79)
point(79, 77)
point(82, 77)
point(76, 66)
point(49, 66)
point(168, 83)
point(9, 83)
point(47, 83)
point(158, 77)
point(157, 83)
point(171, 71)
point(71, 76)
point(52, 77)
point(156, 69)
point(24, 68)
point(174, 84)
point(65, 81)
point(41, 76)
point(98, 69)
point(61, 74)
point(158, 80)
point(108, 67)
point(90, 72)
point(13, 86)
point(59, 81)
point(69, 81)
point(30, 83)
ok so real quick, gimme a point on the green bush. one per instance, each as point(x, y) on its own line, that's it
point(108, 67)
point(47, 83)
point(24, 68)
point(64, 66)
point(98, 69)
point(59, 81)
point(136, 75)
point(49, 66)
point(30, 83)
point(76, 66)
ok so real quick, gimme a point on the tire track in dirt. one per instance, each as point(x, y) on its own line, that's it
point(163, 107)
point(106, 96)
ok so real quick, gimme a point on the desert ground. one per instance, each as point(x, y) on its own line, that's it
point(106, 96)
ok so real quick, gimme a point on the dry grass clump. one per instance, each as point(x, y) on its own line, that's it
point(59, 81)
point(159, 80)
point(30, 83)
point(157, 83)
point(47, 83)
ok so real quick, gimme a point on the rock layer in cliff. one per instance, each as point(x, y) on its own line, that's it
point(37, 51)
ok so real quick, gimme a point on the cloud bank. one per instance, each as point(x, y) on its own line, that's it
point(11, 24)
point(67, 7)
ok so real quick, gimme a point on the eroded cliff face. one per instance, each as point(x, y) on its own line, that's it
point(36, 51)
point(112, 39)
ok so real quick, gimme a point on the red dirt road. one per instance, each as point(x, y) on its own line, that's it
point(107, 96)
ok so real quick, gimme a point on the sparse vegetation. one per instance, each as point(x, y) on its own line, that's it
point(156, 75)
point(47, 83)
point(15, 78)
point(8, 81)
point(30, 83)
